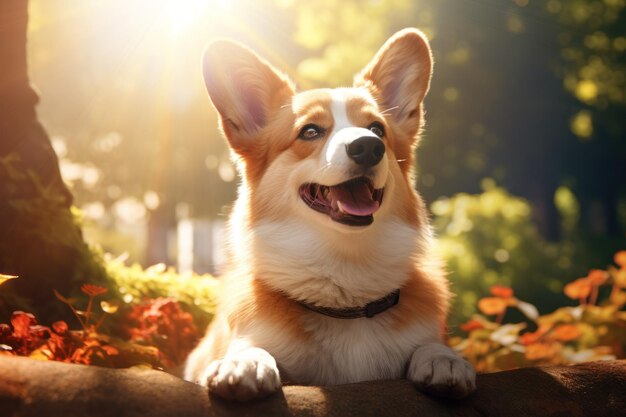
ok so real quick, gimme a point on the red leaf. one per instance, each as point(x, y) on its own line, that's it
point(21, 322)
point(93, 290)
point(60, 327)
point(164, 324)
point(5, 331)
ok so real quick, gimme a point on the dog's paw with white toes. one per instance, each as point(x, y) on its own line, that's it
point(437, 370)
point(241, 379)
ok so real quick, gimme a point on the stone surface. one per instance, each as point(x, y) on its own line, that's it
point(30, 388)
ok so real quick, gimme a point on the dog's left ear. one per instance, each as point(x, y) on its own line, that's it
point(399, 77)
point(246, 91)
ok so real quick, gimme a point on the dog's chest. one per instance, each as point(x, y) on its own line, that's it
point(347, 350)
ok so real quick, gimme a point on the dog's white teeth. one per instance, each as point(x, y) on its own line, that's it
point(340, 207)
point(325, 192)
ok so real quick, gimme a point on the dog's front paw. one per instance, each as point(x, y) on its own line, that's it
point(437, 370)
point(242, 379)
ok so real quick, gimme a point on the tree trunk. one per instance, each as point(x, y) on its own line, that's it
point(39, 238)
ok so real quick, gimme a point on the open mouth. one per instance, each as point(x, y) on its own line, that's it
point(352, 202)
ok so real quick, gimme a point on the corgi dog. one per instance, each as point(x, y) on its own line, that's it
point(330, 275)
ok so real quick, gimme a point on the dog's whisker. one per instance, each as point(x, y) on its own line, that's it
point(321, 169)
point(401, 160)
point(388, 110)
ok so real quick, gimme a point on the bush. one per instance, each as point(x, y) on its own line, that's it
point(198, 293)
point(489, 239)
point(590, 331)
point(156, 332)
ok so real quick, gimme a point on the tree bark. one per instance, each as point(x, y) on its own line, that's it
point(20, 131)
point(39, 239)
point(32, 388)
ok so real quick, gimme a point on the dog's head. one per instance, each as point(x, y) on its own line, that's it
point(340, 156)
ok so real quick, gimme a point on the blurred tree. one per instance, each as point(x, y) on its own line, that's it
point(136, 110)
point(39, 238)
point(342, 36)
point(592, 64)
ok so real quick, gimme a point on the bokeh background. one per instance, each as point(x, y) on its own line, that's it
point(523, 161)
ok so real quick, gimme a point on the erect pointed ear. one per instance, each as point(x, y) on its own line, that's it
point(399, 77)
point(244, 89)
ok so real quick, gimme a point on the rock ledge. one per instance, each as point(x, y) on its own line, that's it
point(31, 388)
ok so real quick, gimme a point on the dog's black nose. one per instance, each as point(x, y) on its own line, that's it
point(366, 151)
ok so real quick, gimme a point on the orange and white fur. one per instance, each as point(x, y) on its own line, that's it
point(368, 235)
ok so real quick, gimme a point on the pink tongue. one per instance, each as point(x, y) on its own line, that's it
point(355, 198)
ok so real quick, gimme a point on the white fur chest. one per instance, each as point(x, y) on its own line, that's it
point(341, 351)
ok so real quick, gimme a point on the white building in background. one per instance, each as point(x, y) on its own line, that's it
point(200, 246)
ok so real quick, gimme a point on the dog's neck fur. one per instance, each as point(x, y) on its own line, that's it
point(324, 266)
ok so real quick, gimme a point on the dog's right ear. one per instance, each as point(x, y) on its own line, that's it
point(244, 89)
point(399, 78)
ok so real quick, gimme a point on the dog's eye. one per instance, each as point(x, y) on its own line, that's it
point(378, 129)
point(310, 132)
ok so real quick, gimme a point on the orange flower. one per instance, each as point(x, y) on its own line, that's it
point(93, 290)
point(578, 289)
point(501, 291)
point(597, 277)
point(471, 325)
point(529, 338)
point(618, 297)
point(620, 258)
point(619, 276)
point(566, 332)
point(539, 351)
point(492, 305)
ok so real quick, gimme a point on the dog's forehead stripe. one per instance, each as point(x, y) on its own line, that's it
point(339, 106)
point(340, 97)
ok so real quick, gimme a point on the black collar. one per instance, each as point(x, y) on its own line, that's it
point(369, 310)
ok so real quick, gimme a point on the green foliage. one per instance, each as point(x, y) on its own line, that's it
point(135, 284)
point(593, 45)
point(489, 239)
point(345, 34)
